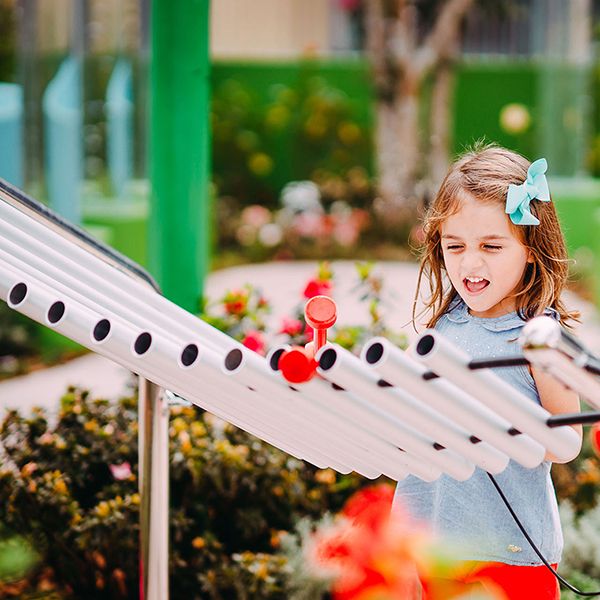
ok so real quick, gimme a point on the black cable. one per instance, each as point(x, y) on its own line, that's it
point(535, 548)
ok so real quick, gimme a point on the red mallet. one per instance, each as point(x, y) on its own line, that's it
point(320, 313)
point(595, 438)
point(298, 364)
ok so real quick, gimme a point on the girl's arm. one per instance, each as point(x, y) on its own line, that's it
point(557, 399)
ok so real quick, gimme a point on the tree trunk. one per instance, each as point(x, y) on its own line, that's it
point(397, 145)
point(440, 123)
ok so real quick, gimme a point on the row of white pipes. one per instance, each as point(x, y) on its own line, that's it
point(382, 416)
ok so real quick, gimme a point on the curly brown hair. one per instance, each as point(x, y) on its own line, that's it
point(484, 173)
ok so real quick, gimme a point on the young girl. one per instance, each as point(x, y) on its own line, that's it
point(495, 257)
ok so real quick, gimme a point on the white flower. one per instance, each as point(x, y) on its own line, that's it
point(270, 235)
point(302, 196)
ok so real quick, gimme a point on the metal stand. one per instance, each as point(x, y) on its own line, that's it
point(153, 452)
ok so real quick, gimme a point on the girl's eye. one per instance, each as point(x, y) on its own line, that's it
point(492, 247)
point(454, 247)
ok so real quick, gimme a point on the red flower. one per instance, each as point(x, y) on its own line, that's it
point(291, 327)
point(595, 438)
point(370, 507)
point(236, 302)
point(255, 341)
point(371, 552)
point(317, 287)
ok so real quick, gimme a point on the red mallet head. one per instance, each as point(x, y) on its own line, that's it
point(320, 313)
point(595, 438)
point(297, 365)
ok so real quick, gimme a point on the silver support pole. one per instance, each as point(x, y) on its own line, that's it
point(153, 469)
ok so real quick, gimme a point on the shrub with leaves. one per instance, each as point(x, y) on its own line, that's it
point(70, 489)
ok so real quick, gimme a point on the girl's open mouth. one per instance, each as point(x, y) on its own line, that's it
point(475, 285)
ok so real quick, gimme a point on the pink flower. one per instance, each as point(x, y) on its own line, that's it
point(309, 225)
point(121, 472)
point(256, 216)
point(291, 327)
point(255, 341)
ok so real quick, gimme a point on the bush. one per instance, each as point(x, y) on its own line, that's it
point(71, 489)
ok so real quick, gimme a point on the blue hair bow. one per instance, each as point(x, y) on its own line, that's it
point(520, 196)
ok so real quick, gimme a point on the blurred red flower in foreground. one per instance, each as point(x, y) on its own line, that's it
point(373, 553)
point(370, 552)
point(595, 438)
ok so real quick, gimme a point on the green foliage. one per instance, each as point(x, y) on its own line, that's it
point(70, 488)
point(17, 557)
point(297, 132)
point(581, 533)
point(8, 40)
point(18, 334)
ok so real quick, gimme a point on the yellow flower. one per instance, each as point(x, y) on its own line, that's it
point(349, 133)
point(135, 499)
point(262, 571)
point(91, 425)
point(260, 164)
point(184, 440)
point(198, 543)
point(103, 509)
point(326, 476)
point(60, 487)
point(198, 429)
point(179, 425)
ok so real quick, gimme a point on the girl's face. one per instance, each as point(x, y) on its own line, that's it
point(484, 259)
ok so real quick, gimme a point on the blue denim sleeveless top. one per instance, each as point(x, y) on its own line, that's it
point(470, 514)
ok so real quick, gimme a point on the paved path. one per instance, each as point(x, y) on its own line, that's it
point(282, 283)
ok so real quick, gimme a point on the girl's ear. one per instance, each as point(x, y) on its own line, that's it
point(530, 258)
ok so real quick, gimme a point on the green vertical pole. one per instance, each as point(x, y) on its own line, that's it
point(179, 147)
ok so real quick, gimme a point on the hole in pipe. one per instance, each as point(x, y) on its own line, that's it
point(142, 343)
point(17, 294)
point(327, 359)
point(101, 330)
point(274, 360)
point(425, 345)
point(374, 353)
point(233, 359)
point(56, 312)
point(189, 355)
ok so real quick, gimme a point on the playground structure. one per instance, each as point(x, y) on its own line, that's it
point(383, 413)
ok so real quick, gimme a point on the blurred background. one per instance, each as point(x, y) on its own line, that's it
point(331, 122)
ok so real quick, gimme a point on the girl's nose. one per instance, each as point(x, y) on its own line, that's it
point(471, 260)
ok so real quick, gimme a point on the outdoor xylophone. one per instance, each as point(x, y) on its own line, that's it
point(427, 412)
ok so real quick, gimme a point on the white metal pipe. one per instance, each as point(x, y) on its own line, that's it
point(210, 367)
point(548, 347)
point(79, 323)
point(344, 369)
point(360, 411)
point(96, 273)
point(256, 374)
point(448, 360)
point(398, 368)
point(347, 405)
